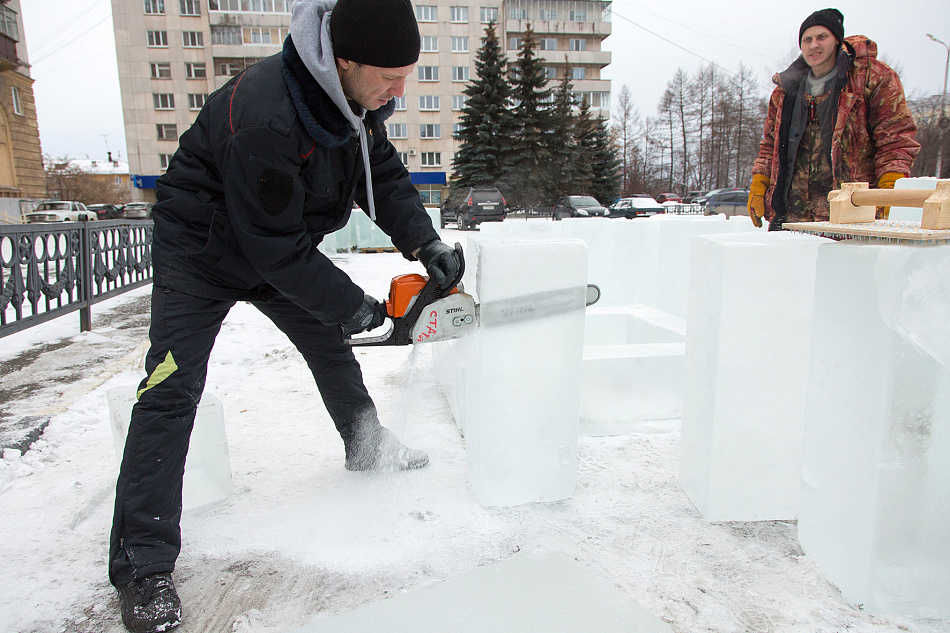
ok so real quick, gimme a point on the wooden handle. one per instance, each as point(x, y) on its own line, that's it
point(887, 197)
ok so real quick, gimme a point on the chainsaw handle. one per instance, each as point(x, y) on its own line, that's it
point(458, 276)
point(401, 331)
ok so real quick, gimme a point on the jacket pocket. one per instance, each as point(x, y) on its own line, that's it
point(218, 238)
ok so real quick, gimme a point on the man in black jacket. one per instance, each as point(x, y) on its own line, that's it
point(273, 162)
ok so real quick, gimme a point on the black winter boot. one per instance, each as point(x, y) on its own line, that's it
point(150, 605)
point(379, 450)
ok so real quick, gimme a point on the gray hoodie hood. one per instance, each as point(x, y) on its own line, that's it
point(310, 31)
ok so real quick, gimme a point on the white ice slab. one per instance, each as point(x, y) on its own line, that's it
point(632, 378)
point(875, 498)
point(522, 393)
point(747, 340)
point(529, 593)
point(208, 465)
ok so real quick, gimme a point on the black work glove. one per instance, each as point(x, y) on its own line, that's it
point(440, 260)
point(370, 315)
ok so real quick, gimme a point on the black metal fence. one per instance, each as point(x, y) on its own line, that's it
point(48, 270)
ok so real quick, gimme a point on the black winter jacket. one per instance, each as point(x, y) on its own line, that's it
point(251, 192)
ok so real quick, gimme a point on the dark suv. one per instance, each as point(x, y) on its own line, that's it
point(470, 206)
point(579, 207)
point(729, 202)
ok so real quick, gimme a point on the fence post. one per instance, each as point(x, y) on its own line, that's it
point(85, 242)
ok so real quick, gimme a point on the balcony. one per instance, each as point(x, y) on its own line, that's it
point(8, 55)
point(560, 27)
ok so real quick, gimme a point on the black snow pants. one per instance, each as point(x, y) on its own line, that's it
point(146, 532)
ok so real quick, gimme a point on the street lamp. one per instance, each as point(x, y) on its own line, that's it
point(943, 122)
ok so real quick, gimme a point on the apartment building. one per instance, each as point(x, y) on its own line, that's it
point(21, 157)
point(173, 53)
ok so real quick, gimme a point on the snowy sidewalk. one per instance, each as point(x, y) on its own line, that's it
point(302, 539)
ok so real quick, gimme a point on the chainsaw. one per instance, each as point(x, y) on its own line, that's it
point(423, 311)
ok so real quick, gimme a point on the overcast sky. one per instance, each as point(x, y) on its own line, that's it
point(72, 52)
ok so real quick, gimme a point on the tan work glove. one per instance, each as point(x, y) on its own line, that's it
point(886, 181)
point(760, 184)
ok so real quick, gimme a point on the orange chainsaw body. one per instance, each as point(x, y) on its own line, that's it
point(402, 290)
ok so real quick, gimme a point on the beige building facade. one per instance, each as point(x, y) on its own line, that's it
point(21, 156)
point(173, 53)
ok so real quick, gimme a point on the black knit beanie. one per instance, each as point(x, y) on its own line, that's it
point(380, 33)
point(831, 19)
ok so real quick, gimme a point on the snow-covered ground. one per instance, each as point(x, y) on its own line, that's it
point(302, 539)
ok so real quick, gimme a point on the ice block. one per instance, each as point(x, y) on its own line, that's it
point(746, 368)
point(208, 465)
point(875, 497)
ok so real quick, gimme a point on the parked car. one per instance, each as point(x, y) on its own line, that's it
point(579, 207)
point(60, 211)
point(729, 202)
point(106, 211)
point(468, 207)
point(668, 197)
point(635, 208)
point(692, 195)
point(137, 210)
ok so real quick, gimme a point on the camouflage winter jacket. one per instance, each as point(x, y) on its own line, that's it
point(872, 130)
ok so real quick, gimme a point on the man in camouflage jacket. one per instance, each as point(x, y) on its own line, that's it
point(837, 115)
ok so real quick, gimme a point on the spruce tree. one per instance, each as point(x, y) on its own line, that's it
point(606, 164)
point(596, 149)
point(530, 181)
point(486, 133)
point(563, 145)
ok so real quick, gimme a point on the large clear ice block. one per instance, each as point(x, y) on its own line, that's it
point(875, 498)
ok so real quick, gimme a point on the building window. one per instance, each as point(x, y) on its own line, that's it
point(427, 13)
point(579, 16)
point(154, 7)
point(400, 103)
point(192, 39)
point(427, 73)
point(428, 102)
point(197, 101)
point(224, 5)
point(578, 45)
point(157, 39)
point(163, 101)
point(550, 72)
point(230, 68)
point(459, 44)
point(514, 43)
point(430, 130)
point(17, 106)
point(226, 35)
point(163, 160)
point(459, 73)
point(264, 35)
point(398, 130)
point(189, 7)
point(458, 101)
point(166, 131)
point(518, 14)
point(404, 157)
point(578, 73)
point(8, 23)
point(547, 44)
point(548, 14)
point(161, 70)
point(456, 128)
point(489, 14)
point(431, 159)
point(195, 70)
point(430, 44)
point(459, 15)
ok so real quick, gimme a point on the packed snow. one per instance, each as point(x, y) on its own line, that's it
point(302, 539)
